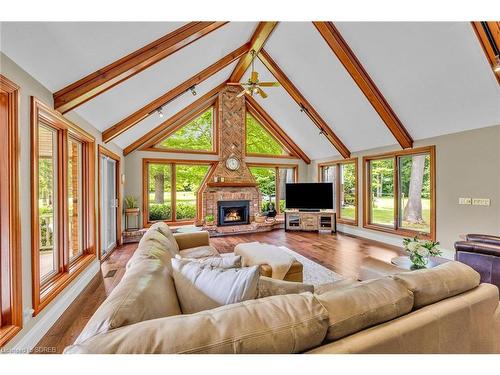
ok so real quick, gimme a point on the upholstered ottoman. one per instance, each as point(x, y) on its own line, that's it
point(273, 261)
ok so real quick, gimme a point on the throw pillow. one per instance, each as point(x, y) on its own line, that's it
point(232, 261)
point(273, 287)
point(203, 288)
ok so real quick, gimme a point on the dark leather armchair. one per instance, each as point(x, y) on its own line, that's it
point(481, 252)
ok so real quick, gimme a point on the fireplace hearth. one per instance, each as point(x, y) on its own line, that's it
point(233, 213)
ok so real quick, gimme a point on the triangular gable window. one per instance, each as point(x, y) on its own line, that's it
point(196, 135)
point(260, 141)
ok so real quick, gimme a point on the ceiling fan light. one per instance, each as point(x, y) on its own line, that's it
point(496, 67)
point(255, 90)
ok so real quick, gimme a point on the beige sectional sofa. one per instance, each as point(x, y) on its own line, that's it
point(441, 310)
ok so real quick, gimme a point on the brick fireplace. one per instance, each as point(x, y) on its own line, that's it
point(226, 185)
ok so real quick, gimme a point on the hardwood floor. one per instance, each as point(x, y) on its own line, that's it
point(339, 252)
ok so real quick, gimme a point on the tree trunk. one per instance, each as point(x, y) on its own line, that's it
point(413, 209)
point(159, 184)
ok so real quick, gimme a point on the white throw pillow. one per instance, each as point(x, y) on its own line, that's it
point(231, 261)
point(203, 288)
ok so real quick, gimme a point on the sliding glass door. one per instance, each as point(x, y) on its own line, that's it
point(109, 204)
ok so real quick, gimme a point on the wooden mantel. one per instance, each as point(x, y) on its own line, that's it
point(231, 184)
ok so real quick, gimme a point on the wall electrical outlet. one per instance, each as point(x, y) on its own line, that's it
point(464, 200)
point(480, 201)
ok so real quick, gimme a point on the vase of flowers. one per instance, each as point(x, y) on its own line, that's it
point(420, 251)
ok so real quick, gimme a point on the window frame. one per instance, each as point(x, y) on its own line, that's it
point(173, 162)
point(338, 164)
point(43, 293)
point(396, 229)
point(271, 129)
point(11, 317)
point(153, 144)
point(276, 167)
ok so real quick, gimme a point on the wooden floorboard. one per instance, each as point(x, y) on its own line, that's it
point(339, 252)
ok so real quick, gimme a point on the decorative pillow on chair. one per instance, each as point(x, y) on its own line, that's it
point(230, 261)
point(203, 288)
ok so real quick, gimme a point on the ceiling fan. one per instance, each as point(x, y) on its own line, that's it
point(253, 85)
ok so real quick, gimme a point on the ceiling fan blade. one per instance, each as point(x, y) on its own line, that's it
point(262, 93)
point(269, 84)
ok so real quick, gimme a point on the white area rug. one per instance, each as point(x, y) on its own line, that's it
point(314, 273)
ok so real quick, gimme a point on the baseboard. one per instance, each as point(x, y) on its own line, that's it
point(44, 322)
point(384, 238)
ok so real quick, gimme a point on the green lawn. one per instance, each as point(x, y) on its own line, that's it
point(383, 208)
point(181, 196)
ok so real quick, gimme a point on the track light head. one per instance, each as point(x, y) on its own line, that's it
point(193, 91)
point(160, 112)
point(496, 67)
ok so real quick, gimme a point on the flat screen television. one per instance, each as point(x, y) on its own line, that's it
point(309, 196)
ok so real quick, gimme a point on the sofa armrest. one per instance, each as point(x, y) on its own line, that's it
point(483, 238)
point(190, 240)
point(478, 248)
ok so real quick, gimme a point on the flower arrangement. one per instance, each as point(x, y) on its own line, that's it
point(421, 250)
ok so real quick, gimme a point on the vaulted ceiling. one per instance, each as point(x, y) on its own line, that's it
point(434, 76)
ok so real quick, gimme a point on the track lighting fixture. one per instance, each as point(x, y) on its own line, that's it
point(160, 112)
point(302, 109)
point(496, 67)
point(321, 132)
point(193, 91)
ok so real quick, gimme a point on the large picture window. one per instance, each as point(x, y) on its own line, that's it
point(271, 180)
point(63, 191)
point(343, 174)
point(170, 191)
point(11, 319)
point(400, 193)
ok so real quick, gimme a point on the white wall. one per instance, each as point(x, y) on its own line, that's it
point(467, 165)
point(35, 327)
point(133, 168)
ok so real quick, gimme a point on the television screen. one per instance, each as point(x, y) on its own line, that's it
point(312, 196)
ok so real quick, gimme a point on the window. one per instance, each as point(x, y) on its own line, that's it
point(259, 141)
point(63, 187)
point(10, 239)
point(195, 136)
point(271, 180)
point(343, 174)
point(400, 192)
point(171, 190)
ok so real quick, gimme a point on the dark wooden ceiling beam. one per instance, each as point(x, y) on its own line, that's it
point(351, 63)
point(139, 115)
point(257, 41)
point(273, 127)
point(105, 78)
point(303, 103)
point(494, 27)
point(158, 132)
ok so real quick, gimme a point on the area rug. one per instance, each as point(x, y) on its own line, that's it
point(313, 273)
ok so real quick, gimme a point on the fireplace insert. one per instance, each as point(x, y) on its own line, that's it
point(233, 213)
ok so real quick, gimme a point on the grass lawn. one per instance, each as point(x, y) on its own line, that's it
point(181, 196)
point(383, 213)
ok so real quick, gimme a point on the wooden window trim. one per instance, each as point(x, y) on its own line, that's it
point(145, 206)
point(154, 143)
point(10, 253)
point(431, 150)
point(277, 167)
point(337, 164)
point(104, 151)
point(43, 294)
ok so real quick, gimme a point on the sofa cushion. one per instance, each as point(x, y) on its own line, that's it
point(146, 292)
point(199, 252)
point(165, 230)
point(344, 283)
point(355, 308)
point(435, 284)
point(282, 324)
point(202, 287)
point(272, 287)
point(229, 261)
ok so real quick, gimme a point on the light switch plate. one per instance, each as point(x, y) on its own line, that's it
point(480, 201)
point(464, 200)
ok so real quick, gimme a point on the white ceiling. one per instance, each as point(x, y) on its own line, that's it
point(434, 75)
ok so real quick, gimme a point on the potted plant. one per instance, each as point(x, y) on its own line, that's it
point(421, 250)
point(131, 205)
point(209, 220)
